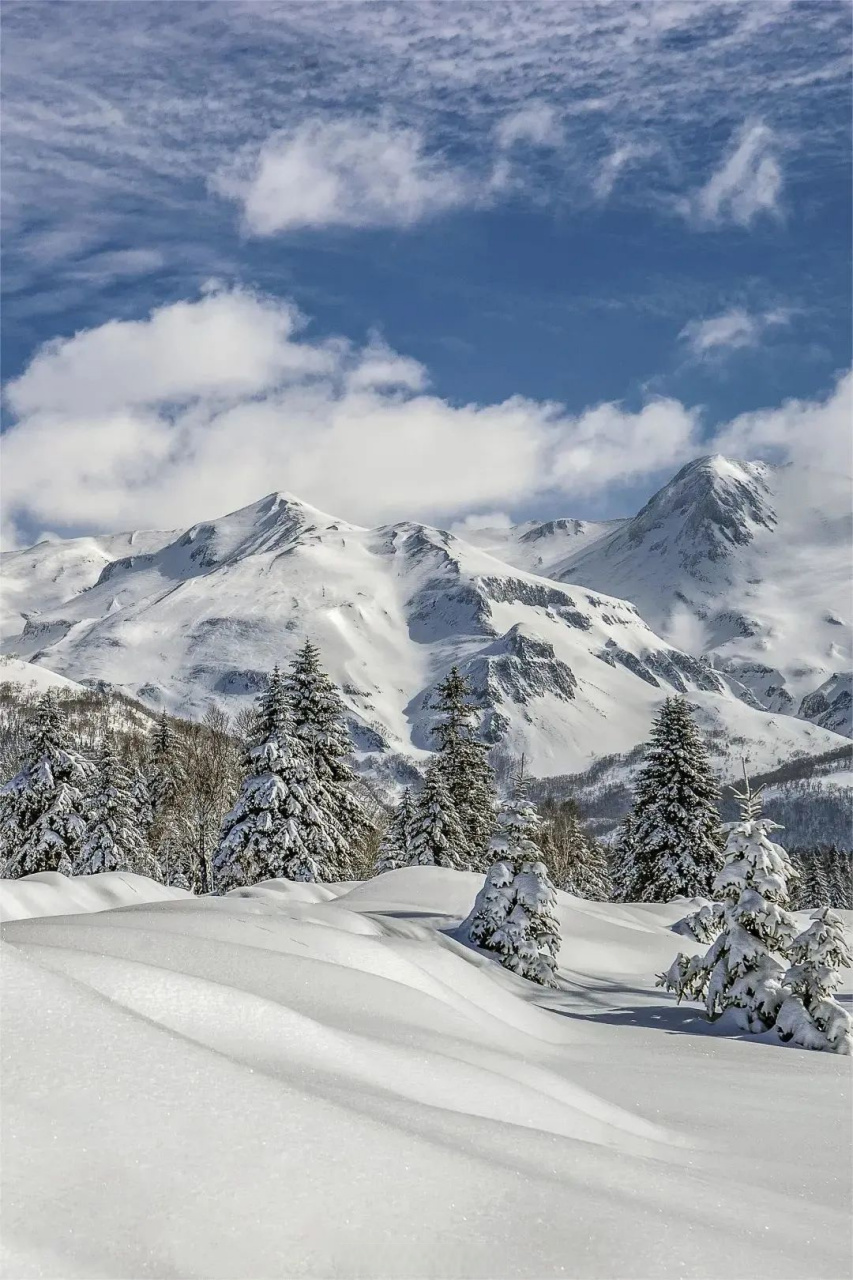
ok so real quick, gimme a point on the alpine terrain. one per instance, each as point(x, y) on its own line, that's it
point(571, 633)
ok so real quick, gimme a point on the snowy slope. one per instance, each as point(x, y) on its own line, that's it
point(742, 561)
point(564, 674)
point(31, 676)
point(289, 1083)
point(541, 546)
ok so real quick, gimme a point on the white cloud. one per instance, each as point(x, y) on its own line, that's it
point(224, 345)
point(481, 520)
point(326, 173)
point(536, 124)
point(747, 184)
point(730, 331)
point(620, 159)
point(206, 405)
point(808, 433)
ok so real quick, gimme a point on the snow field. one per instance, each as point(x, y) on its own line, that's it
point(315, 1080)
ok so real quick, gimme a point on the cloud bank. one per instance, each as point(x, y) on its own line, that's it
point(206, 405)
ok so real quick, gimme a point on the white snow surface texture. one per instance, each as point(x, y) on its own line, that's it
point(319, 1080)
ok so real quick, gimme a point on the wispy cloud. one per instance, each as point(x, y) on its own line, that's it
point(624, 156)
point(537, 124)
point(731, 330)
point(747, 184)
point(111, 107)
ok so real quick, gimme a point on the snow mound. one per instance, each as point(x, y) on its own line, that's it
point(50, 894)
point(305, 1081)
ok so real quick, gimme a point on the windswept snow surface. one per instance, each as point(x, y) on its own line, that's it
point(302, 1080)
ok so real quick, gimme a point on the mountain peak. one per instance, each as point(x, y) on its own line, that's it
point(712, 503)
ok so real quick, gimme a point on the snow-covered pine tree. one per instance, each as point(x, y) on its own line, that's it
point(43, 812)
point(281, 824)
point(811, 1016)
point(740, 971)
point(513, 914)
point(622, 859)
point(113, 840)
point(319, 719)
point(395, 849)
point(814, 888)
point(575, 861)
point(677, 834)
point(464, 761)
point(165, 780)
point(840, 866)
point(437, 838)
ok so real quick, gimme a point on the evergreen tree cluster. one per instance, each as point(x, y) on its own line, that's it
point(825, 878)
point(187, 809)
point(450, 822)
point(752, 933)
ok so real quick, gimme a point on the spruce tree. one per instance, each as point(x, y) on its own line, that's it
point(437, 838)
point(677, 834)
point(464, 762)
point(514, 912)
point(740, 971)
point(395, 849)
point(319, 720)
point(43, 813)
point(814, 887)
point(165, 782)
point(623, 859)
point(810, 1016)
point(841, 873)
point(113, 840)
point(281, 824)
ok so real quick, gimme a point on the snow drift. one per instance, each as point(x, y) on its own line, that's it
point(315, 1080)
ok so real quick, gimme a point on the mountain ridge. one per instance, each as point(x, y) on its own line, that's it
point(564, 670)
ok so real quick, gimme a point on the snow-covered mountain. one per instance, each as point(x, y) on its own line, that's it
point(747, 563)
point(565, 673)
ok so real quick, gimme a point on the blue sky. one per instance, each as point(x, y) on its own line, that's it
point(556, 249)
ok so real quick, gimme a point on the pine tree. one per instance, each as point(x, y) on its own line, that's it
point(437, 838)
point(165, 780)
point(113, 841)
point(623, 859)
point(814, 887)
point(280, 825)
point(514, 911)
point(143, 820)
point(740, 971)
point(677, 834)
point(464, 762)
point(841, 872)
point(575, 862)
point(810, 1016)
point(395, 849)
point(42, 819)
point(319, 719)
